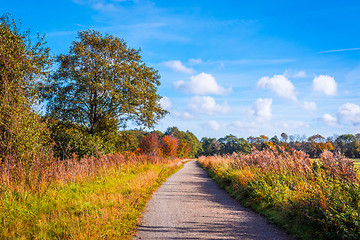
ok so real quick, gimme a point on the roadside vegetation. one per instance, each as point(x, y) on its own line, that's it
point(312, 199)
point(94, 198)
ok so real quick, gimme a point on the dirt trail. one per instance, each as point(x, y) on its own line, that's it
point(190, 205)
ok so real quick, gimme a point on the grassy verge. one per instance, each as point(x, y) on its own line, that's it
point(310, 201)
point(357, 163)
point(105, 204)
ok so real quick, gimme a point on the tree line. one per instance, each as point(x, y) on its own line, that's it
point(347, 144)
point(92, 92)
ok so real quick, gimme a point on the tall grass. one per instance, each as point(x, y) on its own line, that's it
point(91, 198)
point(311, 199)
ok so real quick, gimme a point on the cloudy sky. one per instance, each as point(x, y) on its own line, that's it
point(231, 66)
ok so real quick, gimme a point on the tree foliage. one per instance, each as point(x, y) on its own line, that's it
point(348, 145)
point(150, 145)
point(23, 65)
point(101, 84)
point(211, 146)
point(230, 144)
point(169, 146)
point(189, 145)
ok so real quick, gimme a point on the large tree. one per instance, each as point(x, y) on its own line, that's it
point(23, 65)
point(102, 83)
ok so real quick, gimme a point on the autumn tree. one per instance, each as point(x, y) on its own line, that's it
point(316, 145)
point(169, 145)
point(255, 142)
point(101, 84)
point(284, 137)
point(189, 144)
point(348, 145)
point(150, 144)
point(23, 65)
point(275, 140)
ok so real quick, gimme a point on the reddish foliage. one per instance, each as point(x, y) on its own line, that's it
point(150, 145)
point(169, 145)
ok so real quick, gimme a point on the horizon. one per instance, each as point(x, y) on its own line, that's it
point(241, 68)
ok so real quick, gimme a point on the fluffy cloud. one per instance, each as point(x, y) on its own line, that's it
point(236, 125)
point(261, 110)
point(196, 61)
point(212, 125)
point(178, 66)
point(201, 84)
point(294, 125)
point(165, 103)
point(280, 85)
point(248, 125)
point(182, 115)
point(300, 74)
point(206, 104)
point(325, 84)
point(349, 112)
point(309, 106)
point(329, 120)
point(291, 74)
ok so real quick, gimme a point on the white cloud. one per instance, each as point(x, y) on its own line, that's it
point(182, 115)
point(249, 127)
point(101, 5)
point(104, 7)
point(329, 120)
point(206, 104)
point(212, 125)
point(349, 112)
point(165, 103)
point(300, 74)
point(236, 125)
point(310, 106)
point(178, 66)
point(261, 110)
point(294, 125)
point(325, 84)
point(201, 84)
point(341, 50)
point(195, 61)
point(280, 85)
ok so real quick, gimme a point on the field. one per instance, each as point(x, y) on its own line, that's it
point(357, 163)
point(89, 199)
point(311, 200)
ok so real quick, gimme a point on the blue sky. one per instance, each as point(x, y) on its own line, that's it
point(240, 67)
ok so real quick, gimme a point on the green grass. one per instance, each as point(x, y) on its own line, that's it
point(106, 206)
point(357, 162)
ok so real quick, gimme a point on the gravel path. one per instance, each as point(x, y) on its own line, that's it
point(190, 205)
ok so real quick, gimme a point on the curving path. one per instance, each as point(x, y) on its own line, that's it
point(190, 205)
